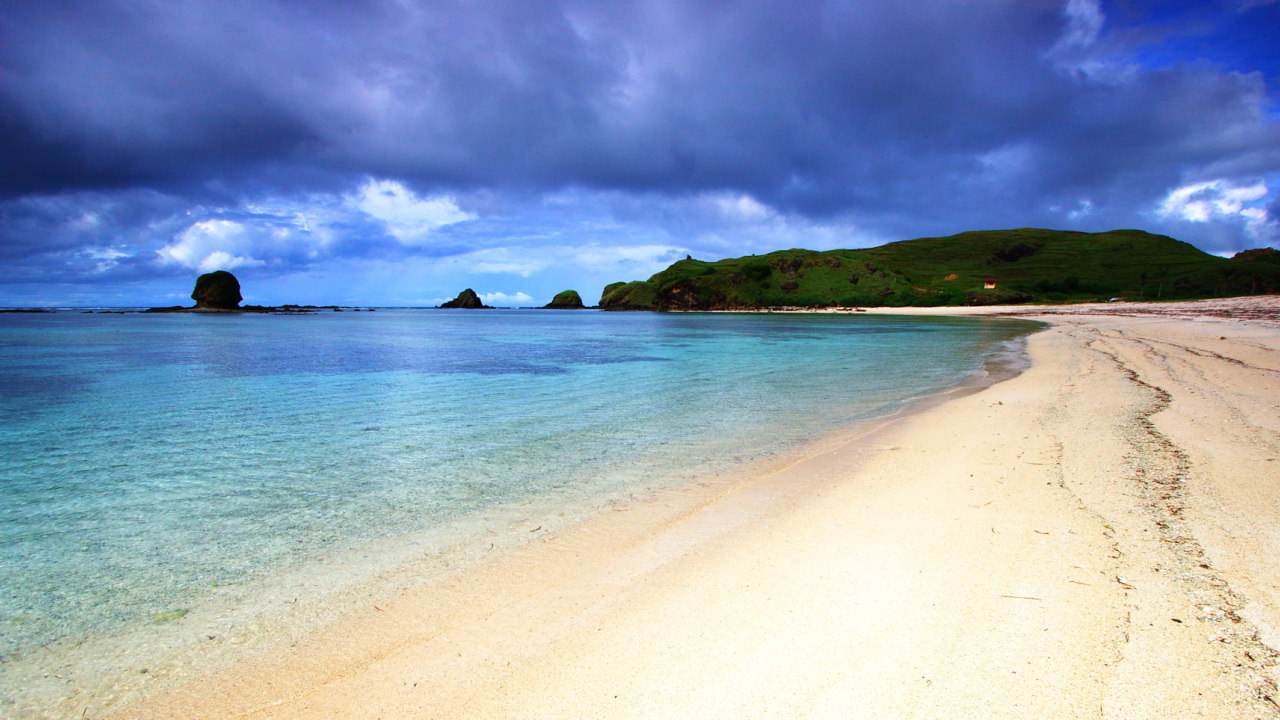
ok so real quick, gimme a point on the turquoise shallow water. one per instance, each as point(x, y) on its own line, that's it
point(145, 459)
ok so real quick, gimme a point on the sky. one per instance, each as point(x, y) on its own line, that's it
point(394, 152)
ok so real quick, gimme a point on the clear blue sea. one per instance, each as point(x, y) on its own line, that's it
point(146, 459)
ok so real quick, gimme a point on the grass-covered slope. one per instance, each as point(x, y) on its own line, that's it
point(566, 300)
point(1027, 265)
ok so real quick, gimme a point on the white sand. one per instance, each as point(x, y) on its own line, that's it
point(1098, 537)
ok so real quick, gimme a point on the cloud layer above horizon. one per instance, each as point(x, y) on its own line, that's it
point(396, 151)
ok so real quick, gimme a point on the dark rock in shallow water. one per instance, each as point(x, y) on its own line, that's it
point(567, 300)
point(467, 300)
point(218, 290)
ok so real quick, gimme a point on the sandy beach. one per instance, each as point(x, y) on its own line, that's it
point(1098, 537)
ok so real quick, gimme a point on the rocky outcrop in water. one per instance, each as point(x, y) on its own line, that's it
point(567, 300)
point(467, 300)
point(218, 290)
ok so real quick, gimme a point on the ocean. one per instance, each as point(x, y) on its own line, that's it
point(153, 464)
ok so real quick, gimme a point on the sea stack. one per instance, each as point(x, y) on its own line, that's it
point(567, 300)
point(218, 290)
point(467, 300)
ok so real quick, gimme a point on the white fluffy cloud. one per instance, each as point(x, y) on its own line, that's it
point(1084, 23)
point(408, 218)
point(310, 228)
point(741, 207)
point(103, 258)
point(1205, 201)
point(502, 299)
point(210, 245)
point(1223, 200)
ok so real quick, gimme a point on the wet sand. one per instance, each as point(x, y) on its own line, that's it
point(1097, 537)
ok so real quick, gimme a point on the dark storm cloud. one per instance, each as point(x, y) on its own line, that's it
point(814, 105)
point(905, 117)
point(170, 92)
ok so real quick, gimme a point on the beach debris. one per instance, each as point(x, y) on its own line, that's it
point(1212, 612)
point(1022, 597)
point(1124, 584)
point(170, 615)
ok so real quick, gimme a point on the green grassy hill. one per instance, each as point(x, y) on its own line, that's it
point(1027, 264)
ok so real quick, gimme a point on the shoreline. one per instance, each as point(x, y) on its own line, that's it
point(1035, 549)
point(78, 675)
point(1060, 544)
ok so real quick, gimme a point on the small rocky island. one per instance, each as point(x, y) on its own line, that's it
point(467, 300)
point(567, 300)
point(219, 292)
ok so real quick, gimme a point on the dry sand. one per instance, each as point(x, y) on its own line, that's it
point(1098, 537)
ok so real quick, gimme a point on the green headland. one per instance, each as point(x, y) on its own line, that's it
point(973, 268)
